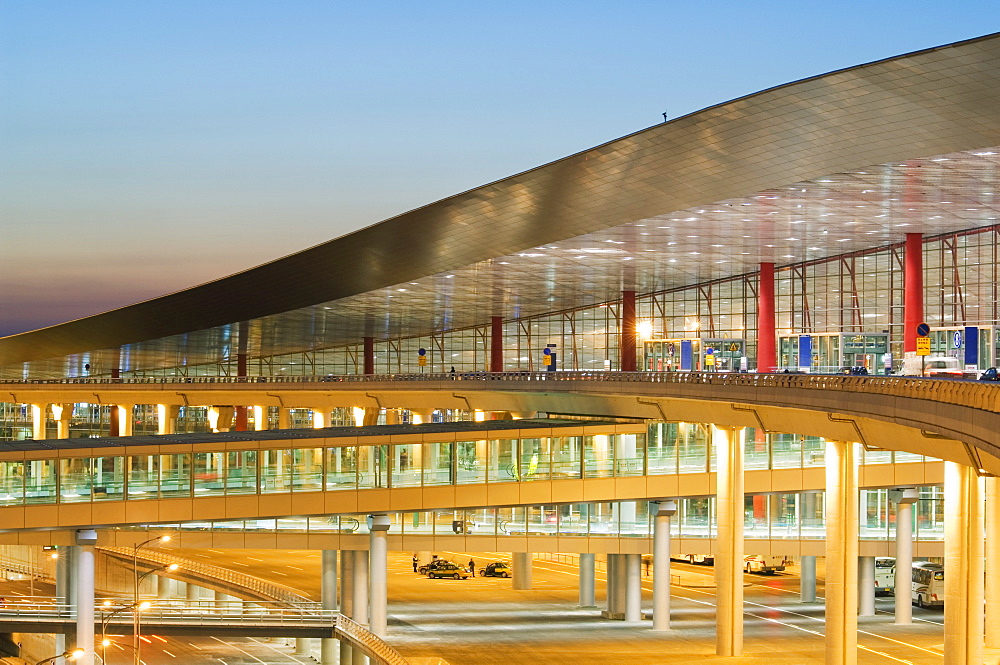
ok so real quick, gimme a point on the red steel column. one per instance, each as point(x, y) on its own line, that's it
point(627, 363)
point(369, 355)
point(241, 372)
point(496, 344)
point(913, 290)
point(767, 352)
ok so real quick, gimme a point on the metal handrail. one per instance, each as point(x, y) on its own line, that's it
point(950, 391)
point(373, 646)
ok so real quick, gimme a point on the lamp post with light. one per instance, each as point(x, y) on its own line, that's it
point(69, 655)
point(136, 625)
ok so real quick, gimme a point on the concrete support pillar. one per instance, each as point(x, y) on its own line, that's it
point(163, 587)
point(220, 418)
point(807, 576)
point(303, 646)
point(392, 417)
point(913, 290)
point(866, 586)
point(421, 416)
point(38, 418)
point(841, 554)
point(992, 485)
point(123, 417)
point(633, 587)
point(192, 593)
point(963, 566)
point(284, 418)
point(379, 574)
point(179, 590)
point(328, 597)
point(86, 539)
point(728, 444)
point(767, 347)
point(496, 344)
point(346, 599)
point(321, 417)
point(65, 566)
point(370, 416)
point(359, 588)
point(522, 570)
point(904, 553)
point(627, 345)
point(661, 564)
point(61, 413)
point(166, 418)
point(588, 597)
point(259, 418)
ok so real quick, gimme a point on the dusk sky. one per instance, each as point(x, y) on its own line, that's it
point(146, 147)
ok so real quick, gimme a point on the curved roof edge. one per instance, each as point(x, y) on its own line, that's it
point(934, 101)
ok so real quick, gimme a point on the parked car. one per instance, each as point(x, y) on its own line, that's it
point(496, 569)
point(451, 570)
point(428, 567)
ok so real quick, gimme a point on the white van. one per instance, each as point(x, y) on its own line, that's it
point(928, 584)
point(885, 575)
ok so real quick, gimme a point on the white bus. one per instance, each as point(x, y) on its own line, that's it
point(885, 575)
point(928, 584)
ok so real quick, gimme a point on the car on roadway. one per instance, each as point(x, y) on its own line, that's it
point(496, 569)
point(451, 570)
point(428, 567)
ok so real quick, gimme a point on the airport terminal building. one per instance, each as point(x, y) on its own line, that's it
point(648, 295)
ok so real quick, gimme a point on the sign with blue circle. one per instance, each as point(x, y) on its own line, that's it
point(547, 351)
point(957, 339)
point(923, 330)
point(421, 352)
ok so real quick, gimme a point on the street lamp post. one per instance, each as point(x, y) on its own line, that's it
point(70, 655)
point(135, 572)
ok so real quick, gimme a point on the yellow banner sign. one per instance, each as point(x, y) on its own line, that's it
point(923, 346)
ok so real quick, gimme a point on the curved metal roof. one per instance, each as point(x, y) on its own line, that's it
point(933, 102)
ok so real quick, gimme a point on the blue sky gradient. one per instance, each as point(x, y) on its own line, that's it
point(150, 146)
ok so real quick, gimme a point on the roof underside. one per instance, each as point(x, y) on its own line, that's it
point(843, 162)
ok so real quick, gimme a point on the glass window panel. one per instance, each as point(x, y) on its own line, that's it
point(143, 476)
point(75, 479)
point(373, 466)
point(662, 451)
point(438, 463)
point(574, 519)
point(566, 452)
point(602, 519)
point(692, 443)
point(11, 483)
point(503, 461)
point(755, 520)
point(341, 468)
point(535, 459)
point(275, 471)
point(109, 479)
point(630, 453)
point(813, 523)
point(307, 469)
point(598, 456)
point(756, 453)
point(407, 464)
point(696, 517)
point(813, 451)
point(785, 516)
point(510, 521)
point(633, 518)
point(40, 481)
point(241, 472)
point(542, 520)
point(209, 471)
point(175, 475)
point(786, 450)
point(471, 459)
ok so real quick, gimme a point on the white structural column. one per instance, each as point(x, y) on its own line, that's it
point(992, 561)
point(346, 599)
point(866, 586)
point(522, 570)
point(904, 498)
point(379, 574)
point(963, 566)
point(84, 578)
point(38, 417)
point(728, 444)
point(166, 418)
point(421, 416)
point(163, 587)
point(321, 417)
point(284, 418)
point(841, 554)
point(633, 587)
point(328, 597)
point(807, 575)
point(61, 413)
point(259, 418)
point(124, 418)
point(65, 594)
point(359, 603)
point(588, 597)
point(661, 564)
